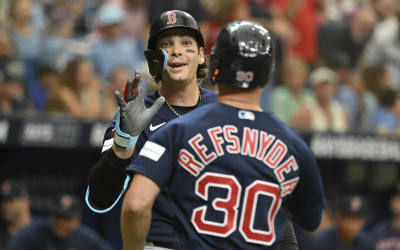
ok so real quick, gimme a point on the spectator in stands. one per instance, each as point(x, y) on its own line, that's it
point(62, 231)
point(347, 37)
point(220, 12)
point(387, 115)
point(59, 45)
point(384, 48)
point(387, 233)
point(15, 210)
point(113, 49)
point(135, 20)
point(286, 99)
point(25, 37)
point(367, 101)
point(358, 102)
point(64, 10)
point(304, 18)
point(78, 91)
point(324, 113)
point(376, 78)
point(12, 93)
point(346, 233)
point(119, 77)
point(338, 10)
point(46, 80)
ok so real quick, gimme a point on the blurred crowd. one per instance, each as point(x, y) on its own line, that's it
point(60, 228)
point(337, 66)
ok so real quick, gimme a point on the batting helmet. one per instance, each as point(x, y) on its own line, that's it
point(173, 19)
point(242, 56)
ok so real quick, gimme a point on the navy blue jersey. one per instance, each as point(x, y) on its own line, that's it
point(231, 175)
point(386, 237)
point(161, 225)
point(39, 235)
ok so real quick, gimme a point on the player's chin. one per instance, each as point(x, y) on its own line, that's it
point(180, 77)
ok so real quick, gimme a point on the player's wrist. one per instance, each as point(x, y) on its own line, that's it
point(121, 153)
point(122, 140)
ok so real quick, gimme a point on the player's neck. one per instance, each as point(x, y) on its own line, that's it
point(238, 98)
point(178, 95)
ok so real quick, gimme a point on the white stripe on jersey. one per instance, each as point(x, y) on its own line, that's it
point(107, 144)
point(152, 150)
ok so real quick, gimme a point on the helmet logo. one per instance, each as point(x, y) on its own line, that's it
point(244, 76)
point(171, 18)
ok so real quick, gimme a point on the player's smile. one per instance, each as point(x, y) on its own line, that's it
point(176, 66)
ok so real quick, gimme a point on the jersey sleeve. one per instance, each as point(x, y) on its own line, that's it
point(156, 158)
point(308, 200)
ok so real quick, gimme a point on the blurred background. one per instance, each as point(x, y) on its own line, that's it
point(336, 82)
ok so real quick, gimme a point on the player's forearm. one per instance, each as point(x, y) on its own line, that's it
point(135, 225)
point(106, 179)
point(309, 223)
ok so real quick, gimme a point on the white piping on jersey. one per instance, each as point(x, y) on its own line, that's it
point(102, 211)
point(107, 144)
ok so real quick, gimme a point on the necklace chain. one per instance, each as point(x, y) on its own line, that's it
point(173, 110)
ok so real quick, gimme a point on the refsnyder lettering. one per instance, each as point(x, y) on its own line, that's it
point(254, 143)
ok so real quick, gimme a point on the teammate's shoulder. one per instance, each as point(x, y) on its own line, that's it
point(207, 95)
point(290, 133)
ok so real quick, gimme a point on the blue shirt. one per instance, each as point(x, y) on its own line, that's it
point(106, 56)
point(386, 237)
point(231, 177)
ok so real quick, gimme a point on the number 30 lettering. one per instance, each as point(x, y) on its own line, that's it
point(230, 204)
point(244, 76)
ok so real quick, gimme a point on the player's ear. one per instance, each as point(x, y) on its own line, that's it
point(201, 55)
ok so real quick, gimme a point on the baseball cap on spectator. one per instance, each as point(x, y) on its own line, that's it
point(10, 190)
point(352, 205)
point(323, 75)
point(66, 205)
point(110, 14)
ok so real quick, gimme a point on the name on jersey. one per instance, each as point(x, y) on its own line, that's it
point(254, 143)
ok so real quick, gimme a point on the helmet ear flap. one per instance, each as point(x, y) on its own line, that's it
point(215, 62)
point(213, 77)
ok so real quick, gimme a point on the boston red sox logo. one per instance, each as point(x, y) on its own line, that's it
point(171, 18)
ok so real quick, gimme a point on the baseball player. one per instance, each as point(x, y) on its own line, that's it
point(175, 57)
point(231, 172)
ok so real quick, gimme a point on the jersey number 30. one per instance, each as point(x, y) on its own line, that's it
point(229, 206)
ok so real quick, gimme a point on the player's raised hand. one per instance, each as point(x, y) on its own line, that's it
point(134, 114)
